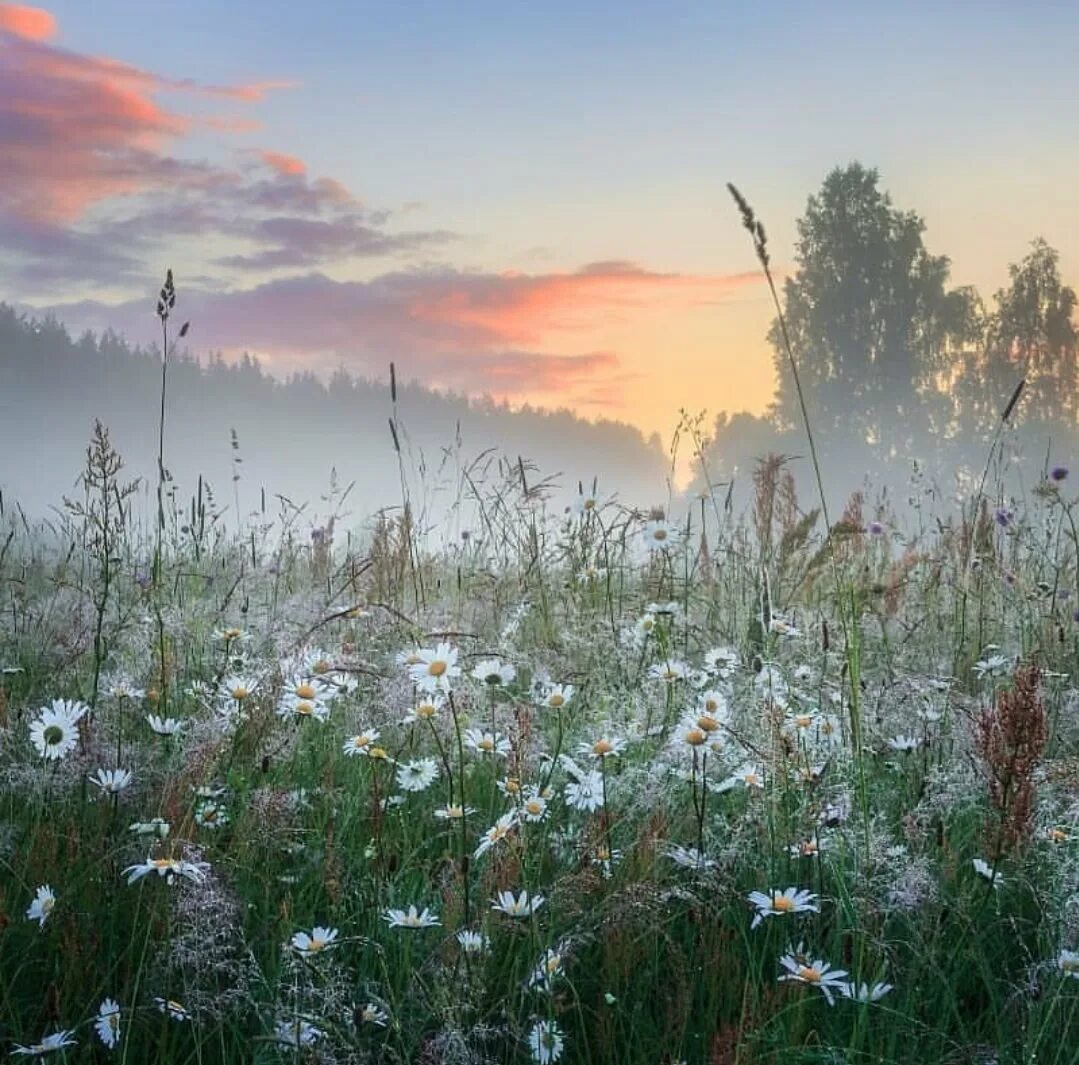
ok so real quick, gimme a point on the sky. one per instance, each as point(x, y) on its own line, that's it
point(520, 199)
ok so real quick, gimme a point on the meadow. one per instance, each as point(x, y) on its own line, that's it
point(588, 784)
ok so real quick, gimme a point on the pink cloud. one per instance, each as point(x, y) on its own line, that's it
point(32, 23)
point(77, 129)
point(283, 164)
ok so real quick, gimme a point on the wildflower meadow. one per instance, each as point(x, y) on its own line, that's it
point(573, 783)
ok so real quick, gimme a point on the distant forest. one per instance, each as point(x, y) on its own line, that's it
point(233, 420)
point(897, 368)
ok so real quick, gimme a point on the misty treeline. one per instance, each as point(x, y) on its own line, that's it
point(898, 368)
point(246, 432)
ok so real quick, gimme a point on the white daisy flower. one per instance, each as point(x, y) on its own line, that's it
point(174, 1010)
point(487, 742)
point(585, 793)
point(435, 669)
point(494, 673)
point(164, 726)
point(296, 1033)
point(603, 747)
point(107, 1024)
point(427, 708)
point(548, 967)
point(319, 940)
point(51, 1043)
point(865, 992)
point(456, 812)
point(473, 942)
point(370, 1013)
point(417, 775)
point(43, 905)
point(158, 826)
point(775, 903)
point(669, 672)
point(112, 781)
point(801, 969)
point(546, 1042)
point(690, 858)
point(411, 918)
point(499, 831)
point(169, 868)
point(556, 696)
point(361, 743)
point(721, 662)
point(54, 731)
point(211, 814)
point(984, 869)
point(660, 535)
point(1068, 963)
point(519, 906)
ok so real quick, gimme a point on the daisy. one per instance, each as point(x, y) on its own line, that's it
point(815, 973)
point(984, 869)
point(107, 1024)
point(112, 781)
point(493, 673)
point(690, 858)
point(372, 1014)
point(164, 726)
point(604, 747)
point(54, 732)
point(865, 992)
point(473, 942)
point(56, 1041)
point(669, 672)
point(413, 918)
point(779, 902)
point(427, 709)
point(721, 662)
point(809, 848)
point(417, 775)
point(456, 812)
point(712, 710)
point(546, 1042)
point(550, 966)
point(158, 826)
point(230, 635)
point(487, 742)
point(169, 868)
point(303, 698)
point(556, 696)
point(408, 658)
point(586, 791)
point(533, 808)
point(585, 503)
point(783, 627)
point(994, 665)
point(521, 906)
point(1068, 963)
point(42, 906)
point(360, 743)
point(172, 1009)
point(660, 535)
point(296, 1033)
point(435, 668)
point(122, 687)
point(499, 831)
point(238, 688)
point(319, 940)
point(904, 744)
point(644, 628)
point(211, 815)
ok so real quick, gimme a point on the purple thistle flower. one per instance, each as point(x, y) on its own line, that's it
point(875, 528)
point(1003, 517)
point(1058, 473)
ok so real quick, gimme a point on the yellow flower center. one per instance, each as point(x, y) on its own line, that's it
point(1058, 835)
point(553, 964)
point(707, 723)
point(175, 1006)
point(378, 752)
point(751, 778)
point(695, 737)
point(1070, 965)
point(512, 786)
point(803, 720)
point(164, 863)
point(209, 814)
point(659, 534)
point(316, 945)
point(555, 701)
point(361, 741)
point(239, 693)
point(455, 811)
point(602, 747)
point(232, 634)
point(782, 904)
point(305, 691)
point(486, 744)
point(534, 807)
point(809, 974)
point(589, 504)
point(321, 666)
point(47, 904)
